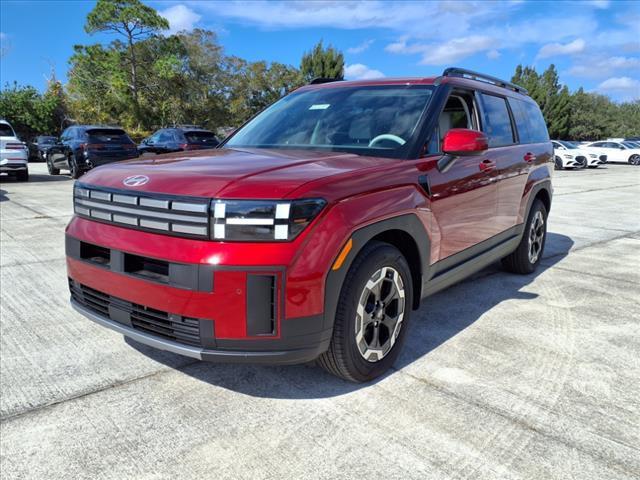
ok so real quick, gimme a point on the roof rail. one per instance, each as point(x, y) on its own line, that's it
point(464, 73)
point(319, 80)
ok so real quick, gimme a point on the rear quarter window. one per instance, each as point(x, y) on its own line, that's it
point(497, 121)
point(6, 130)
point(529, 121)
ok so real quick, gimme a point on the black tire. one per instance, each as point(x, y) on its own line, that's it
point(52, 170)
point(22, 176)
point(74, 169)
point(558, 164)
point(634, 160)
point(344, 358)
point(520, 261)
point(593, 166)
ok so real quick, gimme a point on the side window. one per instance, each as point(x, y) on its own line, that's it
point(458, 112)
point(165, 136)
point(598, 144)
point(65, 135)
point(529, 122)
point(154, 138)
point(497, 122)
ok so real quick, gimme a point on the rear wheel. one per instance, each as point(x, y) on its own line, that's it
point(22, 175)
point(634, 160)
point(372, 315)
point(52, 170)
point(527, 256)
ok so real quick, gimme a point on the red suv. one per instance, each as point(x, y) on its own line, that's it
point(316, 228)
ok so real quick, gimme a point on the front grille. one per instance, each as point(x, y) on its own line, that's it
point(581, 160)
point(185, 217)
point(603, 158)
point(173, 327)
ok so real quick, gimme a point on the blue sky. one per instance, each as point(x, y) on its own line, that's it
point(594, 44)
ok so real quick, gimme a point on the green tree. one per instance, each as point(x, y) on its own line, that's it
point(31, 113)
point(134, 21)
point(322, 62)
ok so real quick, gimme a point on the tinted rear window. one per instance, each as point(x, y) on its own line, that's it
point(497, 122)
point(529, 122)
point(104, 135)
point(46, 140)
point(201, 137)
point(5, 130)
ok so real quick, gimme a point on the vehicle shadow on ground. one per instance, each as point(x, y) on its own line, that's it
point(440, 318)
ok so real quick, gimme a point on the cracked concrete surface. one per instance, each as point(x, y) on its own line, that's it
point(502, 376)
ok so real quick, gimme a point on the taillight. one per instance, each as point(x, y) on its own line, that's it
point(15, 146)
point(129, 146)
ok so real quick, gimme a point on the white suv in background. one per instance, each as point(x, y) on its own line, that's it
point(626, 152)
point(14, 154)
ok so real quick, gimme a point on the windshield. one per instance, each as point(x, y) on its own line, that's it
point(374, 121)
point(201, 136)
point(104, 135)
point(46, 140)
point(568, 145)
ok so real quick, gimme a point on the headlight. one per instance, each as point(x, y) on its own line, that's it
point(262, 220)
point(566, 155)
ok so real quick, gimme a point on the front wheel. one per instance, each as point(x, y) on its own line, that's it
point(372, 315)
point(52, 170)
point(558, 164)
point(527, 256)
point(634, 160)
point(74, 168)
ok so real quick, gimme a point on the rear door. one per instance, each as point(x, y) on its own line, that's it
point(59, 152)
point(531, 149)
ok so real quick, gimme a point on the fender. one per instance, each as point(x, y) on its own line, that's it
point(408, 223)
point(535, 183)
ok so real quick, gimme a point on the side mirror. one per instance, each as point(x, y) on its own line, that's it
point(459, 142)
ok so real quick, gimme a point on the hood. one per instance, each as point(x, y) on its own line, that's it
point(229, 173)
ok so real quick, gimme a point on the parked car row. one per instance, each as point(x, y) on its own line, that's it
point(593, 154)
point(82, 147)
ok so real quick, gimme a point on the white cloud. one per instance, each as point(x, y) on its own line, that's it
point(360, 48)
point(624, 88)
point(358, 71)
point(602, 4)
point(180, 18)
point(555, 49)
point(456, 49)
point(599, 66)
point(493, 54)
point(620, 84)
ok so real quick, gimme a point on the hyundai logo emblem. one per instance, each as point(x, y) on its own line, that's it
point(135, 180)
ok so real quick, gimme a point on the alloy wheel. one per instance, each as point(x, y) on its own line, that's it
point(379, 314)
point(536, 236)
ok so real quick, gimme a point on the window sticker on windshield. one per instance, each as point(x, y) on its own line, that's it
point(319, 106)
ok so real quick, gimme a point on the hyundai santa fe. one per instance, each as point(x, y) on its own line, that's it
point(316, 229)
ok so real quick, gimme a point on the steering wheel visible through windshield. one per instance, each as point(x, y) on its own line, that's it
point(367, 120)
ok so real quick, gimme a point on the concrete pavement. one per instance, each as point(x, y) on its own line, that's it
point(502, 376)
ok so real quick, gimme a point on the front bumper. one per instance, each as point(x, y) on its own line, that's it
point(178, 296)
point(281, 357)
point(13, 162)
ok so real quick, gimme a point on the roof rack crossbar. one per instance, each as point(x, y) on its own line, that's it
point(319, 80)
point(462, 72)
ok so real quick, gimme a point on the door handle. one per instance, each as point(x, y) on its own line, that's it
point(487, 165)
point(529, 157)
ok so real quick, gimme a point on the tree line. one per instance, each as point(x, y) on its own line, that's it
point(144, 80)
